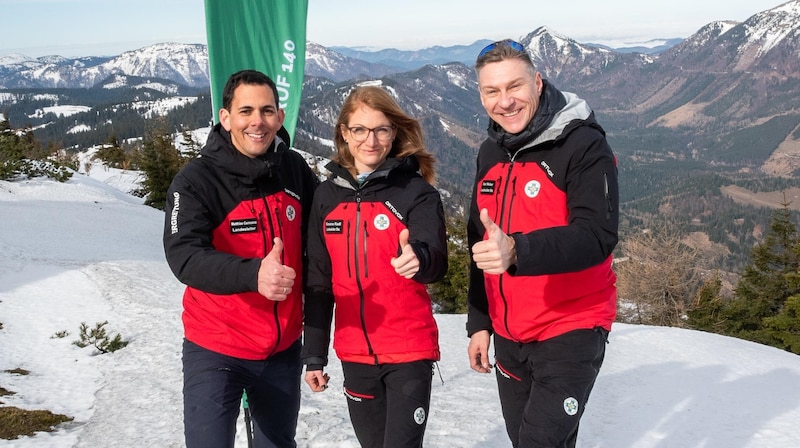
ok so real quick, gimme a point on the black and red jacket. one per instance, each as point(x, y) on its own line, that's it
point(553, 188)
point(354, 229)
point(223, 211)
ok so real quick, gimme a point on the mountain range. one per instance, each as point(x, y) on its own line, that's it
point(728, 76)
point(187, 64)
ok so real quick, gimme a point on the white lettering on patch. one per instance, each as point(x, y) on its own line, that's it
point(173, 217)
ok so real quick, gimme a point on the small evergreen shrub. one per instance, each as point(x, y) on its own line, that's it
point(99, 338)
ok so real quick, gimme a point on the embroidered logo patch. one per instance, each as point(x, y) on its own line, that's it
point(381, 222)
point(419, 416)
point(571, 406)
point(291, 213)
point(244, 225)
point(334, 226)
point(532, 188)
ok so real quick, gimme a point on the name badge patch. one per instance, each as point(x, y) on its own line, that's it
point(487, 187)
point(244, 225)
point(334, 226)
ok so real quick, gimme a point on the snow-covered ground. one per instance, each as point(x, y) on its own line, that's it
point(85, 251)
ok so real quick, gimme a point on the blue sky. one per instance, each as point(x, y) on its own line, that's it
point(107, 27)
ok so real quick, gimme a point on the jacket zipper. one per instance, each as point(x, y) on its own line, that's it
point(362, 299)
point(608, 197)
point(265, 238)
point(349, 269)
point(366, 257)
point(279, 221)
point(505, 224)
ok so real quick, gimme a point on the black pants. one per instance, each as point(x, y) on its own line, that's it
point(212, 393)
point(388, 403)
point(544, 386)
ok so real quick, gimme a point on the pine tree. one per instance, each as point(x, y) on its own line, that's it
point(704, 312)
point(450, 294)
point(22, 155)
point(766, 284)
point(160, 161)
point(112, 153)
point(12, 151)
point(190, 147)
point(785, 326)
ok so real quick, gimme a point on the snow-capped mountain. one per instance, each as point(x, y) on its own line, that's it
point(326, 63)
point(186, 64)
point(770, 38)
point(563, 59)
point(727, 73)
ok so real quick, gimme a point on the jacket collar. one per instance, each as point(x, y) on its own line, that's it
point(221, 152)
point(389, 167)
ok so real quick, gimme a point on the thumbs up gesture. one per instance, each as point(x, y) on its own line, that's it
point(275, 280)
point(496, 253)
point(407, 264)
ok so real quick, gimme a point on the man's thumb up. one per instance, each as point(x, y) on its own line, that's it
point(275, 280)
point(488, 224)
point(497, 252)
point(277, 250)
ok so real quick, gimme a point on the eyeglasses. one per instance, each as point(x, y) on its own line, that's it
point(507, 42)
point(361, 133)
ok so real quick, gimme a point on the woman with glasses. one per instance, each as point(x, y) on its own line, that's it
point(376, 238)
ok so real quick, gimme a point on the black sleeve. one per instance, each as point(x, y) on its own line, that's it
point(428, 236)
point(318, 306)
point(299, 169)
point(593, 203)
point(477, 304)
point(187, 241)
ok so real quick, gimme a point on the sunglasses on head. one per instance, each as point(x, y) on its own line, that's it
point(508, 42)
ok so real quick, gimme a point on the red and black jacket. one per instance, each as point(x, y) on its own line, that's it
point(553, 188)
point(354, 229)
point(223, 211)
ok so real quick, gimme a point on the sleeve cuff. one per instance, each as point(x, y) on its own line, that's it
point(315, 362)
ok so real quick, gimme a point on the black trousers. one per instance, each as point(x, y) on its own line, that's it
point(388, 403)
point(212, 394)
point(544, 386)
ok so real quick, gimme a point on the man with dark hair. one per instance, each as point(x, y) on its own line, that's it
point(542, 227)
point(235, 229)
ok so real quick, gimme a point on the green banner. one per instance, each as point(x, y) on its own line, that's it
point(265, 35)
